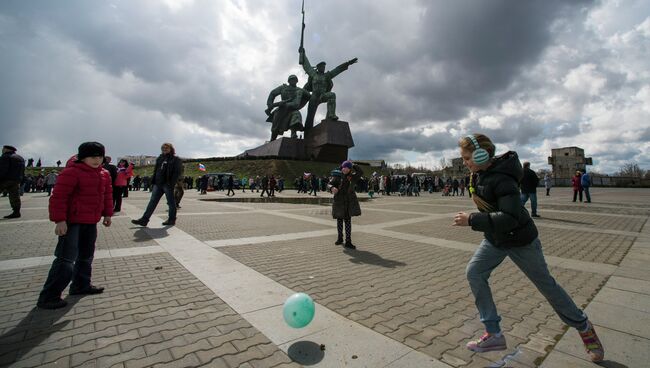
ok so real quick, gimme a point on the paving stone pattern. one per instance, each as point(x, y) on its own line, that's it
point(414, 293)
point(24, 240)
point(593, 221)
point(417, 294)
point(229, 226)
point(573, 244)
point(146, 317)
point(367, 217)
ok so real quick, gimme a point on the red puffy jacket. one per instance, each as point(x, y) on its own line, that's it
point(82, 195)
point(576, 183)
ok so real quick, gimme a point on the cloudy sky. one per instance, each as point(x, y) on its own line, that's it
point(533, 75)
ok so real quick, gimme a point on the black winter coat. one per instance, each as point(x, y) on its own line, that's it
point(170, 167)
point(508, 223)
point(12, 167)
point(346, 204)
point(529, 181)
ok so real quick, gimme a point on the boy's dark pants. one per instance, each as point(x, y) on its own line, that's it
point(74, 256)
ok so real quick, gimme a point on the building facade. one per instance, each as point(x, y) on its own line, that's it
point(456, 170)
point(567, 160)
point(141, 160)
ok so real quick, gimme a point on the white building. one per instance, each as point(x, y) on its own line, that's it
point(141, 160)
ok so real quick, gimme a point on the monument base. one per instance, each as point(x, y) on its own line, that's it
point(328, 141)
point(283, 148)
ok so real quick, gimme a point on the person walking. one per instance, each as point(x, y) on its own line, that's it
point(230, 185)
point(529, 183)
point(345, 204)
point(548, 183)
point(265, 186)
point(455, 184)
point(314, 184)
point(166, 173)
point(509, 232)
point(585, 182)
point(244, 181)
point(272, 184)
point(12, 171)
point(83, 195)
point(124, 172)
point(203, 185)
point(50, 180)
point(576, 183)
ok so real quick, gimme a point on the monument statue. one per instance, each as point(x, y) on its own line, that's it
point(320, 85)
point(287, 115)
point(328, 141)
point(320, 82)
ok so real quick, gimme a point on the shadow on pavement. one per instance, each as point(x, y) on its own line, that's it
point(611, 364)
point(32, 330)
point(563, 221)
point(366, 257)
point(306, 352)
point(147, 233)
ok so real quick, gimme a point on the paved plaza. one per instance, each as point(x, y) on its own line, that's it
point(209, 291)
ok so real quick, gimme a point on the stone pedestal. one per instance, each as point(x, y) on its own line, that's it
point(282, 148)
point(328, 141)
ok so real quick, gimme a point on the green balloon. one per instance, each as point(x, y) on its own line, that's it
point(298, 310)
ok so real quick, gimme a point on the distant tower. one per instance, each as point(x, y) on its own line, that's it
point(567, 160)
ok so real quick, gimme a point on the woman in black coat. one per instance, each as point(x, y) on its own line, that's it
point(345, 204)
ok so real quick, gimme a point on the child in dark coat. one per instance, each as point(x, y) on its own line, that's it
point(345, 204)
point(82, 195)
point(509, 232)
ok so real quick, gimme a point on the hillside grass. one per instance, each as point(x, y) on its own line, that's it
point(288, 169)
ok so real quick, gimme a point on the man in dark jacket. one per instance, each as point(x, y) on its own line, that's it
point(166, 173)
point(529, 184)
point(509, 232)
point(12, 170)
point(112, 169)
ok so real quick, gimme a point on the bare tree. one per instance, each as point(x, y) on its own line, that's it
point(631, 170)
point(443, 163)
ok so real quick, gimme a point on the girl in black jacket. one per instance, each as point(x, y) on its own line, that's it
point(345, 204)
point(509, 232)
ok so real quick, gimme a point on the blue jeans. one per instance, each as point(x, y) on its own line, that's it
point(530, 261)
point(156, 193)
point(587, 195)
point(74, 257)
point(533, 201)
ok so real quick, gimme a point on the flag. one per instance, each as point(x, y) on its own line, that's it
point(201, 167)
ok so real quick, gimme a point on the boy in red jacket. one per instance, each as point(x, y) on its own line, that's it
point(82, 195)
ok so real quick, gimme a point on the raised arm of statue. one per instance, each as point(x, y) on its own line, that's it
point(341, 68)
point(272, 95)
point(306, 66)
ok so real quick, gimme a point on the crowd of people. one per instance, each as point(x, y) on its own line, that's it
point(90, 190)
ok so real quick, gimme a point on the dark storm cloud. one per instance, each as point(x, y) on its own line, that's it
point(445, 59)
point(371, 144)
point(147, 67)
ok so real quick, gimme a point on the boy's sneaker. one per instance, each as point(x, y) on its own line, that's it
point(52, 304)
point(487, 342)
point(349, 245)
point(338, 241)
point(91, 290)
point(592, 343)
point(13, 215)
point(169, 222)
